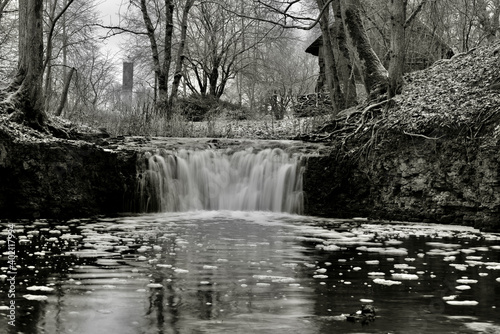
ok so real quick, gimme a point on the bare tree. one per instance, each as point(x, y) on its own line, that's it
point(220, 44)
point(24, 96)
point(53, 19)
point(179, 63)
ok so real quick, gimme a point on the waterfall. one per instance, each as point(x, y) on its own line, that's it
point(268, 180)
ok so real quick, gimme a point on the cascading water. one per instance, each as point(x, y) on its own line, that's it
point(269, 180)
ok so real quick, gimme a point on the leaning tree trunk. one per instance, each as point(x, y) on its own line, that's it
point(64, 96)
point(26, 89)
point(374, 74)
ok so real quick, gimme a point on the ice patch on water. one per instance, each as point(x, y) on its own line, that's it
point(403, 266)
point(385, 282)
point(320, 276)
point(462, 302)
point(452, 297)
point(463, 287)
point(39, 288)
point(466, 281)
point(406, 277)
point(35, 297)
point(208, 267)
point(461, 267)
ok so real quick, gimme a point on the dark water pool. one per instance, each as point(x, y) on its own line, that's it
point(236, 272)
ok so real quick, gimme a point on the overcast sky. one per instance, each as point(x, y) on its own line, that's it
point(109, 10)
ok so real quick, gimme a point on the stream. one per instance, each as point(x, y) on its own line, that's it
point(247, 272)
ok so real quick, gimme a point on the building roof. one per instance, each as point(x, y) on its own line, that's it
point(313, 48)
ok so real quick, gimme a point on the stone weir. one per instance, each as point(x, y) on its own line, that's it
point(53, 178)
point(183, 174)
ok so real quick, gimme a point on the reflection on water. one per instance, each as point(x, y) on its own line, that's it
point(234, 272)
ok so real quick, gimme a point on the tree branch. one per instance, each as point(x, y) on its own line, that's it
point(121, 30)
point(284, 25)
point(3, 4)
point(415, 13)
point(52, 27)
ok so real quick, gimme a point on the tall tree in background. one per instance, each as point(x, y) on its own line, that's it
point(331, 75)
point(397, 48)
point(161, 68)
point(24, 96)
point(54, 17)
point(397, 52)
point(220, 45)
point(179, 63)
point(375, 76)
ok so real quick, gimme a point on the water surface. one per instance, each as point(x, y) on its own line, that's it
point(249, 272)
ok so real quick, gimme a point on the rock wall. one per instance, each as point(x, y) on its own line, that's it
point(63, 179)
point(410, 178)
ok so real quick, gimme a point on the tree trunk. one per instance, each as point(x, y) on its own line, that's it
point(64, 96)
point(161, 69)
point(397, 51)
point(331, 75)
point(48, 58)
point(180, 53)
point(374, 74)
point(345, 66)
point(27, 86)
point(164, 106)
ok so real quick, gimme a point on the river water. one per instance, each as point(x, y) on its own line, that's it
point(248, 272)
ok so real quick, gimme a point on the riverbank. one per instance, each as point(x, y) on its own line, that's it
point(429, 154)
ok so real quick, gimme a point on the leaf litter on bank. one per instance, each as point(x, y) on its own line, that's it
point(457, 97)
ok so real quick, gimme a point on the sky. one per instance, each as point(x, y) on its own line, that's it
point(108, 10)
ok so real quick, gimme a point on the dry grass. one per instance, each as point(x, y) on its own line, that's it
point(143, 122)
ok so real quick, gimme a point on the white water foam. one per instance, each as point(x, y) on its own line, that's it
point(269, 180)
